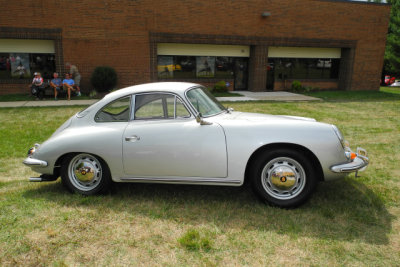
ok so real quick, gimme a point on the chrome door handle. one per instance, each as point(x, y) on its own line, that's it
point(132, 138)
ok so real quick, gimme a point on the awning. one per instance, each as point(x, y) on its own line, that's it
point(26, 46)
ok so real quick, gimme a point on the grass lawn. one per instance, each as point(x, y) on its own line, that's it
point(385, 93)
point(352, 222)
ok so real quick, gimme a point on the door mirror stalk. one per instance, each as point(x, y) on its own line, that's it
point(200, 120)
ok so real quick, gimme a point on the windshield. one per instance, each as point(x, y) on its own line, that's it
point(204, 102)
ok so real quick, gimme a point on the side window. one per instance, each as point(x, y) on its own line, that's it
point(181, 111)
point(176, 110)
point(118, 110)
point(159, 106)
point(150, 106)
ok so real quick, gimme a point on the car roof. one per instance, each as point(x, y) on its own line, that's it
point(175, 87)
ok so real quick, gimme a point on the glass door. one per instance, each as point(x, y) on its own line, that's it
point(241, 73)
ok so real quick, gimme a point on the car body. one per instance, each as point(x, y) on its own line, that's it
point(389, 80)
point(179, 133)
point(395, 84)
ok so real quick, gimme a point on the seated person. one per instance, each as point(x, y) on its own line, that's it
point(69, 85)
point(37, 84)
point(56, 84)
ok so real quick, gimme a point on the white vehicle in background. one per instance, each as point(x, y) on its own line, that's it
point(396, 84)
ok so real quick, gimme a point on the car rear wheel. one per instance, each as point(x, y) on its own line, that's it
point(85, 174)
point(284, 178)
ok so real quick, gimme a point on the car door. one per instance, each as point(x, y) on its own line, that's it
point(164, 140)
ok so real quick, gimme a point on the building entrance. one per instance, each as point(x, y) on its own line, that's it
point(241, 73)
point(270, 77)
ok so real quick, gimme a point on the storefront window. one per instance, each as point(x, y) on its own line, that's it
point(165, 67)
point(224, 67)
point(24, 65)
point(205, 67)
point(305, 68)
point(191, 67)
point(185, 67)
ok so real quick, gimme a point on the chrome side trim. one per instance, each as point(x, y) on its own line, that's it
point(34, 162)
point(358, 163)
point(182, 180)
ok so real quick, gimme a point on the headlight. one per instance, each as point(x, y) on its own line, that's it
point(32, 150)
point(339, 135)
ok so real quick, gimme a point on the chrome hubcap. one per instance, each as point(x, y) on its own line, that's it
point(85, 172)
point(283, 178)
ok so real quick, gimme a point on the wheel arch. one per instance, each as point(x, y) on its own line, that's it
point(57, 165)
point(269, 147)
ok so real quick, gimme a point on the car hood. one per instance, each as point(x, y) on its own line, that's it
point(257, 117)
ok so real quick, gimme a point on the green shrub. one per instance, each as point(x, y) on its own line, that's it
point(220, 87)
point(104, 78)
point(308, 89)
point(297, 87)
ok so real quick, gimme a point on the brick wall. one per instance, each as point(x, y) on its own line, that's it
point(118, 33)
point(321, 85)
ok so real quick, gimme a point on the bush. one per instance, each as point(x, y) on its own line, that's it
point(297, 87)
point(220, 87)
point(104, 78)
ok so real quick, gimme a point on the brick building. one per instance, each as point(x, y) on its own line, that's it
point(255, 45)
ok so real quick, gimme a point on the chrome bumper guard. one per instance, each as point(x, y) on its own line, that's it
point(359, 163)
point(34, 162)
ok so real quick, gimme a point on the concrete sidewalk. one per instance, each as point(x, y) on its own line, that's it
point(247, 96)
point(47, 103)
point(270, 96)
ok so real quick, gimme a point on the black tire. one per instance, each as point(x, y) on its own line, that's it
point(85, 173)
point(283, 177)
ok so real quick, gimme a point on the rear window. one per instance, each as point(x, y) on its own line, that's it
point(85, 111)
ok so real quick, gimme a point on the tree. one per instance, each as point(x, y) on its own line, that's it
point(392, 52)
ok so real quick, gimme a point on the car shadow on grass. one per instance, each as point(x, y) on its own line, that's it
point(340, 210)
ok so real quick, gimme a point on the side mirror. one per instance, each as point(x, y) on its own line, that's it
point(200, 120)
point(198, 117)
point(230, 110)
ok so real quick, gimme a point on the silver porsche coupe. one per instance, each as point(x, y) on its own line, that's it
point(179, 133)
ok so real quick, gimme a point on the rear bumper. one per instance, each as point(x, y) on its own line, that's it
point(358, 164)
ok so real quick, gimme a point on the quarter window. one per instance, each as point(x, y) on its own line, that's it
point(115, 111)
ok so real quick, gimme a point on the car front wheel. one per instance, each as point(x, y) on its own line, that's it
point(284, 178)
point(85, 174)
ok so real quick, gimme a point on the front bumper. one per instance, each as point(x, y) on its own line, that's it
point(359, 163)
point(34, 162)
